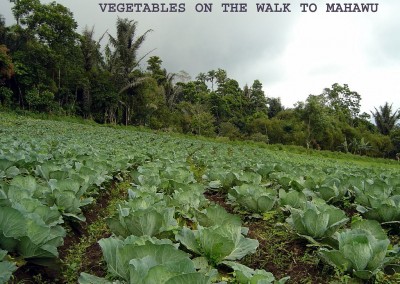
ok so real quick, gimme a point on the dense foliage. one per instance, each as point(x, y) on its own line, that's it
point(47, 66)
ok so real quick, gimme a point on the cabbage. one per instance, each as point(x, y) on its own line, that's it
point(6, 267)
point(148, 261)
point(362, 249)
point(253, 197)
point(217, 243)
point(316, 221)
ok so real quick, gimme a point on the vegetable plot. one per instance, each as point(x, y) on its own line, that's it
point(169, 229)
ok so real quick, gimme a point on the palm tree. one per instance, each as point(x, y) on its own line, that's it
point(202, 77)
point(92, 62)
point(171, 90)
point(385, 120)
point(210, 77)
point(124, 60)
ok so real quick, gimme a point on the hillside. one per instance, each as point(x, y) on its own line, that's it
point(85, 201)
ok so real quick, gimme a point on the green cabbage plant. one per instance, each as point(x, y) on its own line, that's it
point(6, 267)
point(150, 221)
point(29, 236)
point(217, 243)
point(316, 221)
point(361, 249)
point(148, 261)
point(385, 210)
point(253, 197)
point(292, 199)
point(246, 275)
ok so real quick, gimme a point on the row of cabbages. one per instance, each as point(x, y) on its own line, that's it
point(362, 250)
point(44, 184)
point(168, 232)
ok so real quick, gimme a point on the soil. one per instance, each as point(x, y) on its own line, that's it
point(94, 262)
point(283, 256)
point(220, 199)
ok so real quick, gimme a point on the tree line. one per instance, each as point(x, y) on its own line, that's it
point(47, 66)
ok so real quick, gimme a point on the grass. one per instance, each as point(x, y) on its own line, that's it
point(282, 253)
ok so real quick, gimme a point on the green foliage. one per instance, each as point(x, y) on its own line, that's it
point(227, 129)
point(51, 170)
point(385, 118)
point(146, 260)
point(202, 122)
point(316, 221)
point(5, 96)
point(344, 103)
point(378, 201)
point(149, 221)
point(245, 275)
point(43, 55)
point(6, 267)
point(6, 64)
point(254, 198)
point(29, 236)
point(361, 251)
point(258, 137)
point(217, 243)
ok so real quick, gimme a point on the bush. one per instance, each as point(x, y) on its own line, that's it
point(5, 96)
point(259, 137)
point(227, 129)
point(42, 101)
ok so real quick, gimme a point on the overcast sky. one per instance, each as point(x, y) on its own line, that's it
point(293, 54)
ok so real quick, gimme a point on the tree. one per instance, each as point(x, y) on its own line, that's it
point(202, 77)
point(154, 66)
point(124, 60)
point(343, 102)
point(274, 106)
point(90, 48)
point(171, 90)
point(256, 96)
point(385, 119)
point(211, 77)
point(92, 65)
point(6, 65)
point(47, 53)
point(3, 30)
point(193, 92)
point(52, 24)
point(315, 114)
point(221, 76)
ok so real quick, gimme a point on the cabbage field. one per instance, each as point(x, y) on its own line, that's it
point(82, 203)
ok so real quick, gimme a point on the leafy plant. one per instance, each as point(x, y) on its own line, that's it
point(217, 243)
point(316, 221)
point(6, 267)
point(216, 215)
point(361, 249)
point(29, 236)
point(387, 211)
point(292, 199)
point(149, 221)
point(254, 198)
point(246, 275)
point(146, 260)
point(188, 198)
point(68, 195)
point(331, 189)
point(375, 200)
